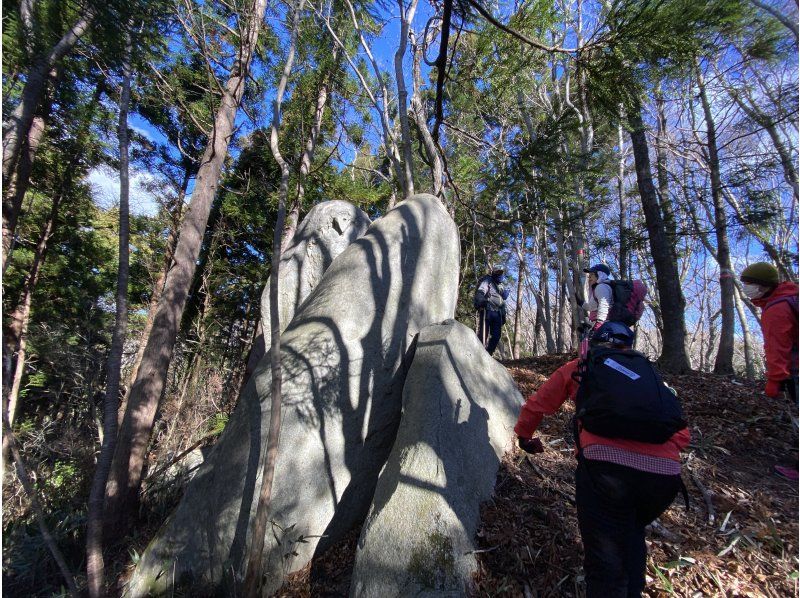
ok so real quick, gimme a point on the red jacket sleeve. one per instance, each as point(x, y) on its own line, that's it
point(547, 400)
point(777, 324)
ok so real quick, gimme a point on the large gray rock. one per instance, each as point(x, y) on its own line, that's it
point(343, 359)
point(323, 234)
point(459, 410)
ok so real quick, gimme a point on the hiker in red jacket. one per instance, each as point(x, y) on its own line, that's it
point(621, 484)
point(778, 303)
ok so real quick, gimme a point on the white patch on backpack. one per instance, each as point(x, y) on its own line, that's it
point(621, 369)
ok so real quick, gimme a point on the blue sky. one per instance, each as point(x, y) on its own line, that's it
point(105, 181)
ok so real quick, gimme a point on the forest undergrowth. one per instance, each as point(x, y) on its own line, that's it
point(738, 537)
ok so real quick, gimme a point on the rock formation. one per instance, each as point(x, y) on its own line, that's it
point(459, 409)
point(344, 359)
point(323, 234)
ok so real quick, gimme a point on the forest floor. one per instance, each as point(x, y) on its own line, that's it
point(739, 536)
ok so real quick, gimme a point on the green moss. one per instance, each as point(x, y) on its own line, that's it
point(432, 563)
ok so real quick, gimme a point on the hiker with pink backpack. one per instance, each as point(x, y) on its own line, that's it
point(611, 300)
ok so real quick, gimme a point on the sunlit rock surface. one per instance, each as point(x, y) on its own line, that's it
point(345, 357)
point(459, 410)
point(326, 231)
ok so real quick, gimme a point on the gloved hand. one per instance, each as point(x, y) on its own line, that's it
point(597, 325)
point(530, 445)
point(772, 389)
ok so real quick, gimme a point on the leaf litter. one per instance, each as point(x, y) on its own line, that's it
point(739, 536)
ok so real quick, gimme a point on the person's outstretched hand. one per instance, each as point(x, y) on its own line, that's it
point(530, 445)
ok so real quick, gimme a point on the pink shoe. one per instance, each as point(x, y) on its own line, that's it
point(787, 472)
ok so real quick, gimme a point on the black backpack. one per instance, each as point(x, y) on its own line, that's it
point(621, 395)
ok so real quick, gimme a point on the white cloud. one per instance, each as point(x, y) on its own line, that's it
point(105, 190)
point(141, 131)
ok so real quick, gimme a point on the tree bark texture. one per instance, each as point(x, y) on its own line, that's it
point(145, 395)
point(421, 119)
point(724, 360)
point(406, 16)
point(252, 580)
point(749, 343)
point(95, 567)
point(158, 286)
point(673, 358)
point(624, 253)
point(667, 209)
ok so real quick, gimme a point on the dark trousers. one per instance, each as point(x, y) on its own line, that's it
point(615, 503)
point(790, 386)
point(494, 319)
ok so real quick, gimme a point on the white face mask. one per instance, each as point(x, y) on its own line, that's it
point(753, 291)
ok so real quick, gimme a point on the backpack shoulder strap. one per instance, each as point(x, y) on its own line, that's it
point(790, 299)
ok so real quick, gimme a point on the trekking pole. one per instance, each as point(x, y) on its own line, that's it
point(484, 325)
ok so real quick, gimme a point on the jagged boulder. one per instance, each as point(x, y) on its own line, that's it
point(326, 231)
point(459, 409)
point(344, 359)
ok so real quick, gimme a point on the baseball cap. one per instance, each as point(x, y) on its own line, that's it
point(599, 268)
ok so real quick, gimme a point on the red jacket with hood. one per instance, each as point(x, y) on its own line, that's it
point(560, 387)
point(779, 327)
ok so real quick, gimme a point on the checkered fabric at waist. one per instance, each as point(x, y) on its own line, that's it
point(612, 454)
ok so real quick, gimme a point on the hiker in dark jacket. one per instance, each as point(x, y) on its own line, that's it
point(621, 485)
point(778, 303)
point(490, 301)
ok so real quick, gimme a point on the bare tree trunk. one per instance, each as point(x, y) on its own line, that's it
point(567, 281)
point(518, 304)
point(95, 568)
point(20, 318)
point(252, 579)
point(14, 193)
point(749, 344)
point(158, 286)
point(673, 305)
point(406, 17)
point(560, 283)
point(421, 119)
point(17, 126)
point(16, 187)
point(145, 396)
point(624, 267)
point(544, 292)
point(724, 361)
point(712, 334)
point(667, 211)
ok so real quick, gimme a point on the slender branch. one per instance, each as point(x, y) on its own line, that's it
point(521, 37)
